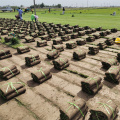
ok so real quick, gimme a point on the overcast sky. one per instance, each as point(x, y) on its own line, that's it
point(73, 3)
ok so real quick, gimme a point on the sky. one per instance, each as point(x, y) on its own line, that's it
point(73, 3)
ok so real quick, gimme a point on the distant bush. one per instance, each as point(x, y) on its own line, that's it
point(73, 16)
point(14, 41)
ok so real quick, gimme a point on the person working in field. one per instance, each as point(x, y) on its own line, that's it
point(34, 17)
point(63, 10)
point(20, 13)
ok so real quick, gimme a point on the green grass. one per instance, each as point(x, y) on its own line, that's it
point(9, 44)
point(93, 17)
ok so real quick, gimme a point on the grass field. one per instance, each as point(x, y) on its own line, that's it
point(92, 17)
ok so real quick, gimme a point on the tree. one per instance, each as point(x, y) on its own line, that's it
point(59, 6)
point(42, 5)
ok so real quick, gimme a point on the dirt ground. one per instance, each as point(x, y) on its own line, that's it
point(43, 101)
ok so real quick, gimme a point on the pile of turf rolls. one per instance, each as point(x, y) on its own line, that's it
point(53, 54)
point(79, 54)
point(14, 89)
point(9, 72)
point(57, 41)
point(92, 85)
point(113, 74)
point(97, 36)
point(45, 37)
point(32, 60)
point(60, 63)
point(104, 110)
point(41, 43)
point(93, 50)
point(23, 49)
point(110, 41)
point(74, 35)
point(90, 39)
point(102, 45)
point(71, 45)
point(74, 109)
point(60, 47)
point(81, 33)
point(118, 56)
point(108, 62)
point(114, 30)
point(5, 54)
point(65, 38)
point(61, 33)
point(80, 41)
point(29, 39)
point(41, 75)
point(103, 33)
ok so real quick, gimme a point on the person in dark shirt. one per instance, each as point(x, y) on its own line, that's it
point(63, 10)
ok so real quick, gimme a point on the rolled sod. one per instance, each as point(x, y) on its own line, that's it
point(79, 54)
point(5, 54)
point(60, 63)
point(53, 54)
point(13, 90)
point(92, 85)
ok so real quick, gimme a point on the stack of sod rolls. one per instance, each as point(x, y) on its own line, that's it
point(103, 33)
point(113, 74)
point(34, 35)
point(76, 109)
point(107, 63)
point(57, 41)
point(97, 36)
point(52, 35)
point(71, 45)
point(60, 63)
point(41, 75)
point(45, 37)
point(14, 89)
point(110, 41)
point(88, 31)
point(32, 60)
point(60, 48)
point(93, 50)
point(102, 45)
point(65, 38)
point(68, 31)
point(104, 109)
point(41, 43)
point(81, 33)
point(29, 39)
point(4, 32)
point(92, 85)
point(99, 28)
point(23, 49)
point(118, 56)
point(9, 72)
point(8, 38)
point(93, 30)
point(80, 41)
point(41, 33)
point(53, 54)
point(74, 35)
point(90, 39)
point(108, 32)
point(5, 54)
point(81, 28)
point(114, 30)
point(21, 36)
point(79, 54)
point(61, 33)
point(86, 27)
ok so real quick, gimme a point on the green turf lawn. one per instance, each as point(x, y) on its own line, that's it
point(89, 17)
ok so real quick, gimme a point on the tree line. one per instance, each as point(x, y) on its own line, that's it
point(42, 5)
